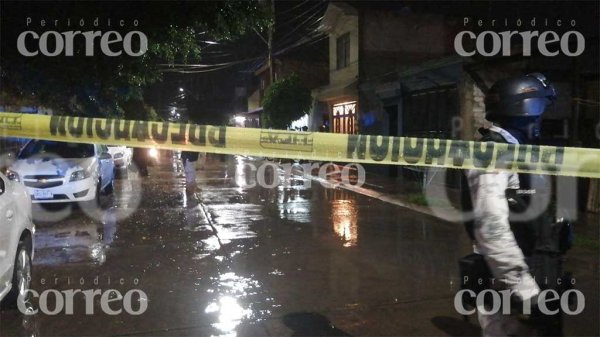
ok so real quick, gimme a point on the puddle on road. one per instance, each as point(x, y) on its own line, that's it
point(228, 308)
point(295, 204)
point(206, 248)
point(344, 216)
point(233, 221)
point(230, 315)
point(170, 220)
point(76, 240)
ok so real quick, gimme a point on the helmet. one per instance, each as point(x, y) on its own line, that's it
point(522, 96)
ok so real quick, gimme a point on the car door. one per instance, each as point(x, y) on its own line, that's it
point(106, 165)
point(7, 225)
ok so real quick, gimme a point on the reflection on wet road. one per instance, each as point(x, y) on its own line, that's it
point(237, 261)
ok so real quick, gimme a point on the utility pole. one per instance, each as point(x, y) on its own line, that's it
point(270, 42)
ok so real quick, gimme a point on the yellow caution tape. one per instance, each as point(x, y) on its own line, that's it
point(567, 161)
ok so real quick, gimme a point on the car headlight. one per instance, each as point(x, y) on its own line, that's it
point(153, 152)
point(12, 175)
point(80, 175)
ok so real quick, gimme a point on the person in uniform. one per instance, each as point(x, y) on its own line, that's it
point(513, 227)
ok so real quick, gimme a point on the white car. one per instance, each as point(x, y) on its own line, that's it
point(16, 241)
point(55, 172)
point(121, 155)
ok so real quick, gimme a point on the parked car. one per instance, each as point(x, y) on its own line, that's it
point(55, 172)
point(16, 240)
point(121, 156)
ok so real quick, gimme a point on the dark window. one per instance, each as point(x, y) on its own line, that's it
point(343, 51)
point(430, 113)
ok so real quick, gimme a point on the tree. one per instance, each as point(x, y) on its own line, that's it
point(102, 85)
point(285, 101)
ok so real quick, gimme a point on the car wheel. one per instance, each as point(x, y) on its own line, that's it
point(21, 275)
point(96, 199)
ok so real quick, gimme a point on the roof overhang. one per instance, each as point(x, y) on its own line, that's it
point(333, 93)
point(334, 11)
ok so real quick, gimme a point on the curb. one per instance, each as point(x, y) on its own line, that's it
point(450, 215)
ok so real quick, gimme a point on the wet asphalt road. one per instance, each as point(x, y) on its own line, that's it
point(235, 261)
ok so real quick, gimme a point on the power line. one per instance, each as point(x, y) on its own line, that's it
point(291, 9)
point(300, 16)
point(303, 41)
point(202, 68)
point(285, 43)
point(285, 38)
point(179, 71)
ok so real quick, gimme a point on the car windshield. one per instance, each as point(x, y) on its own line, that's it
point(61, 149)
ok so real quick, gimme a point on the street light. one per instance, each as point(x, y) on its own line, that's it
point(180, 89)
point(239, 119)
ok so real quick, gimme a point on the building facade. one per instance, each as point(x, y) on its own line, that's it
point(394, 70)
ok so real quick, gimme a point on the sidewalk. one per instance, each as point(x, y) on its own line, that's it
point(442, 202)
point(437, 201)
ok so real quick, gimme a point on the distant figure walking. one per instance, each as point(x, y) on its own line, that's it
point(140, 159)
point(189, 160)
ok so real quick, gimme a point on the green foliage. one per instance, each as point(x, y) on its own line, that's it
point(285, 101)
point(136, 110)
point(98, 85)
